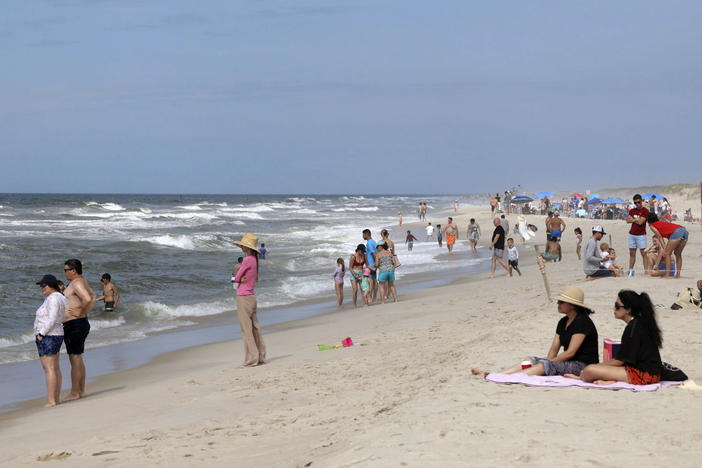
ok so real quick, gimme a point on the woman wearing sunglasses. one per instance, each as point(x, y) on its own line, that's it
point(637, 361)
point(575, 333)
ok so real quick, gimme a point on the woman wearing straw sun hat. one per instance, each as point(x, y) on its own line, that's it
point(246, 304)
point(575, 332)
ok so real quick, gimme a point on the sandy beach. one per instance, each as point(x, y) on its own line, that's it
point(403, 395)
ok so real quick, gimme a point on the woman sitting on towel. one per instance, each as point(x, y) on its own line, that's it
point(638, 361)
point(575, 333)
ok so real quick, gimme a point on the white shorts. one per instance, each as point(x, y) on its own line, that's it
point(637, 242)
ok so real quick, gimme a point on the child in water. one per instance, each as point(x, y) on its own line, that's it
point(109, 293)
point(339, 281)
point(578, 241)
point(512, 257)
point(365, 286)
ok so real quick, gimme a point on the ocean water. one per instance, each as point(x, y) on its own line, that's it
point(171, 256)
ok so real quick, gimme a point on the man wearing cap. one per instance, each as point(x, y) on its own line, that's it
point(637, 233)
point(592, 262)
point(80, 299)
point(246, 304)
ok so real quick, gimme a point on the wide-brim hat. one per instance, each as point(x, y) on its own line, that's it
point(573, 295)
point(248, 240)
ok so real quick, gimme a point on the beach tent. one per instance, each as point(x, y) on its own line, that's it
point(647, 196)
point(614, 201)
point(544, 194)
point(522, 199)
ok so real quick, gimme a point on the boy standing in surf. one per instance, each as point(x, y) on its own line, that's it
point(109, 293)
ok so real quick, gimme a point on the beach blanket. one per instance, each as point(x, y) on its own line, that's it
point(560, 381)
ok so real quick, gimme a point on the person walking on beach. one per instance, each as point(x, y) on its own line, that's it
point(498, 247)
point(356, 264)
point(371, 254)
point(109, 293)
point(409, 240)
point(246, 304)
point(430, 231)
point(504, 223)
point(451, 231)
point(439, 235)
point(80, 299)
point(512, 257)
point(399, 218)
point(592, 260)
point(48, 336)
point(637, 217)
point(419, 211)
point(455, 206)
point(473, 233)
point(338, 276)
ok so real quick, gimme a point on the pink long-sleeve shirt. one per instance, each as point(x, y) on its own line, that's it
point(249, 269)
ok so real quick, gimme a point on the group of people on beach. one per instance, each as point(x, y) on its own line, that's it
point(574, 350)
point(63, 318)
point(668, 239)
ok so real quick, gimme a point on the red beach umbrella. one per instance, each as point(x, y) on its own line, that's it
point(576, 195)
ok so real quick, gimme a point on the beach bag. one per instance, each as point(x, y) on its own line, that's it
point(687, 297)
point(672, 373)
point(396, 261)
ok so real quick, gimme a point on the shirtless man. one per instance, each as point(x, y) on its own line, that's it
point(555, 225)
point(80, 300)
point(109, 293)
point(451, 234)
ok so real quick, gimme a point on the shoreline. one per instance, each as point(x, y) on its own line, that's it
point(119, 357)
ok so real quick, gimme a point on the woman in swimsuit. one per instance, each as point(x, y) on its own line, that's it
point(473, 233)
point(386, 273)
point(390, 246)
point(677, 240)
point(356, 263)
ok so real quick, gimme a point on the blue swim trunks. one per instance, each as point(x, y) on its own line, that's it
point(49, 345)
point(386, 276)
point(556, 233)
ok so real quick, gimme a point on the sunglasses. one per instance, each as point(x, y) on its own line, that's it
point(68, 269)
point(638, 202)
point(618, 306)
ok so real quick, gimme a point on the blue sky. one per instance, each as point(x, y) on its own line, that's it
point(348, 97)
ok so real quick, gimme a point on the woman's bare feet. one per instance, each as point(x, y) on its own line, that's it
point(604, 382)
point(72, 396)
point(50, 404)
point(475, 371)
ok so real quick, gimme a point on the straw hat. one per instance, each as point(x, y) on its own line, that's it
point(573, 295)
point(248, 240)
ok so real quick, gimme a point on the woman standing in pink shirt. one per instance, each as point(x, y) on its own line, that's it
point(246, 304)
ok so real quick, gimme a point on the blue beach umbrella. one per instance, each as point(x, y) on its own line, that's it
point(544, 194)
point(594, 195)
point(522, 199)
point(647, 196)
point(613, 201)
point(594, 200)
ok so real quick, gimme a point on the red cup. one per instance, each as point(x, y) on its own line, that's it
point(526, 364)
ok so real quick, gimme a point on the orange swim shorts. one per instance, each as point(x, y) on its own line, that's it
point(450, 240)
point(639, 377)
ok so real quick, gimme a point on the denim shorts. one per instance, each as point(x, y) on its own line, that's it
point(637, 242)
point(601, 272)
point(680, 233)
point(49, 345)
point(386, 276)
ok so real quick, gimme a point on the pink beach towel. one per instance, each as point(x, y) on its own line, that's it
point(560, 381)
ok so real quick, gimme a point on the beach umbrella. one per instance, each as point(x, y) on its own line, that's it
point(544, 194)
point(522, 199)
point(576, 195)
point(614, 201)
point(594, 195)
point(647, 196)
point(594, 200)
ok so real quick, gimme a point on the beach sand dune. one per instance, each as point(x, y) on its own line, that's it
point(402, 396)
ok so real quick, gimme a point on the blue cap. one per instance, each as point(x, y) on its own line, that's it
point(48, 280)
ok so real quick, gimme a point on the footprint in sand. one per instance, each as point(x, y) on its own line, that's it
point(53, 456)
